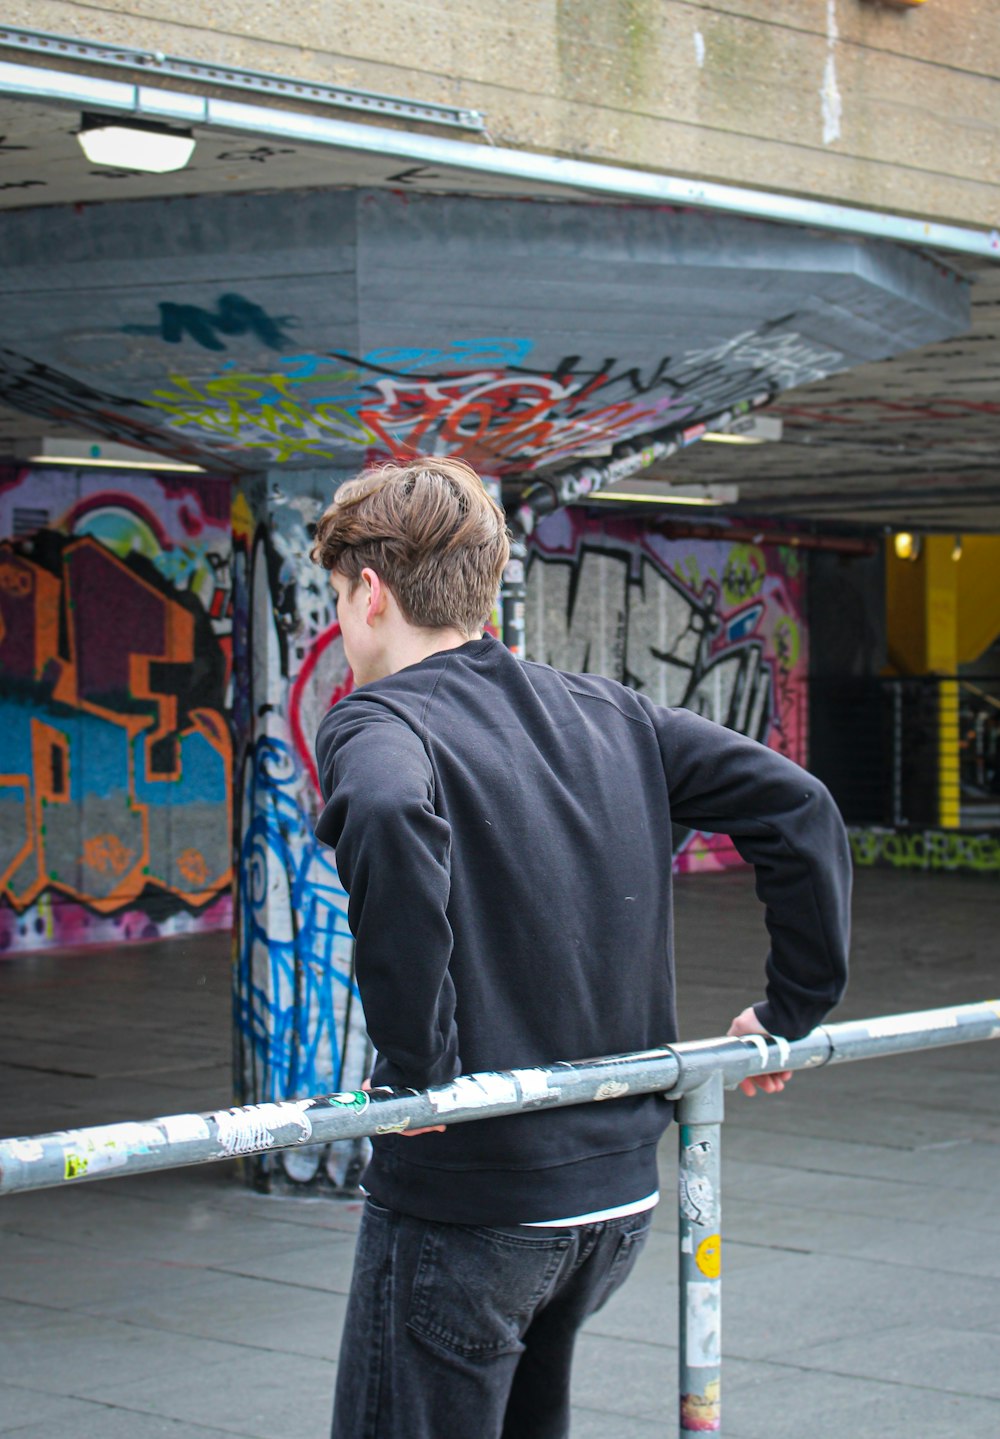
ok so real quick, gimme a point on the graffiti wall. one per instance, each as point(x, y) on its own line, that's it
point(952, 851)
point(299, 1026)
point(115, 673)
point(707, 624)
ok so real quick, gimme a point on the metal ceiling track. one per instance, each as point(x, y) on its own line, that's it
point(578, 178)
point(154, 62)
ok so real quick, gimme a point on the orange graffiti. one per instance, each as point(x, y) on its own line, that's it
point(15, 580)
point(106, 852)
point(193, 867)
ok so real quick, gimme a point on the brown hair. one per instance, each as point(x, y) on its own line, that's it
point(429, 530)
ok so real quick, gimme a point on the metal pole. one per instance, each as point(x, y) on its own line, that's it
point(699, 1295)
point(38, 1161)
point(512, 597)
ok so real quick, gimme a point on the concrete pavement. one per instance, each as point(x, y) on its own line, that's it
point(861, 1210)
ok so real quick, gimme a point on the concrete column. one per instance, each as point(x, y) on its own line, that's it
point(298, 1022)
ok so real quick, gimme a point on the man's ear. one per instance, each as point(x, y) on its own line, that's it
point(377, 596)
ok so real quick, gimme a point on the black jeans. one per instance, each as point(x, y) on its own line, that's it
point(454, 1332)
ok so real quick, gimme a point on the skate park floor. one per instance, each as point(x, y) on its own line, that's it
point(860, 1209)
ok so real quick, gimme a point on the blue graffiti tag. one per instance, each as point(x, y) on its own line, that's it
point(297, 1006)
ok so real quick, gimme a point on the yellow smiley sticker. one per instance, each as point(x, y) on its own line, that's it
point(708, 1256)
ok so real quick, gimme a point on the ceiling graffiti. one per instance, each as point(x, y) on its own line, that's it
point(909, 441)
point(304, 328)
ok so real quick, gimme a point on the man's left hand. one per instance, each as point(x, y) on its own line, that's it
point(748, 1023)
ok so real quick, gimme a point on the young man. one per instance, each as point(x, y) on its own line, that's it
point(503, 831)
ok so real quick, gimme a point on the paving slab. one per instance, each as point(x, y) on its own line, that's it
point(861, 1211)
point(267, 1395)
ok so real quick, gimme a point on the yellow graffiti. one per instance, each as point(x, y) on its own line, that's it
point(927, 850)
point(743, 574)
point(238, 405)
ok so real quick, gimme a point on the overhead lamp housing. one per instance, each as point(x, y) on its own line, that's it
point(131, 144)
point(748, 430)
point(98, 455)
point(661, 492)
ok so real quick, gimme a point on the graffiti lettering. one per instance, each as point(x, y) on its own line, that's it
point(39, 389)
point(115, 772)
point(260, 154)
point(233, 315)
point(926, 850)
point(299, 1021)
point(671, 619)
point(502, 416)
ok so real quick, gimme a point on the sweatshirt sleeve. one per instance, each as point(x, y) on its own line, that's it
point(784, 822)
point(393, 856)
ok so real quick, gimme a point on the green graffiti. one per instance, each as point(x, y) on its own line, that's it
point(930, 849)
point(787, 642)
point(691, 571)
point(791, 558)
point(743, 575)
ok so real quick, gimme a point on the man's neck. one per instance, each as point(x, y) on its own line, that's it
point(414, 645)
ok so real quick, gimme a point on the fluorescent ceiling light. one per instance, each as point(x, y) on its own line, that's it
point(750, 430)
point(127, 144)
point(99, 455)
point(662, 494)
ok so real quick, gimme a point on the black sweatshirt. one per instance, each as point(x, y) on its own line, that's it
point(503, 832)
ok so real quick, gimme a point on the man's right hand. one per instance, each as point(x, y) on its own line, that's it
point(366, 1085)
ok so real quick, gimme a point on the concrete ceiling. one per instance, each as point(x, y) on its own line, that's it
point(911, 439)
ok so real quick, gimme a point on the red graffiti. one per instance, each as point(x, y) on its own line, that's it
point(303, 747)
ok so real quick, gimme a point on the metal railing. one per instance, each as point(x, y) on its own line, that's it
point(695, 1073)
point(919, 752)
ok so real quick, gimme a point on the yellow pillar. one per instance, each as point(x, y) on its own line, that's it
point(922, 624)
point(941, 599)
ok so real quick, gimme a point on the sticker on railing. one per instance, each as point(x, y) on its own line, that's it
point(27, 1150)
point(241, 1131)
point(358, 1099)
point(894, 1024)
point(107, 1146)
point(702, 1315)
point(534, 1084)
point(696, 1196)
point(184, 1128)
point(702, 1412)
point(708, 1256)
point(473, 1091)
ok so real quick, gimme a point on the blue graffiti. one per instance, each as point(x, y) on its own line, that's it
point(297, 1006)
point(233, 315)
point(740, 625)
